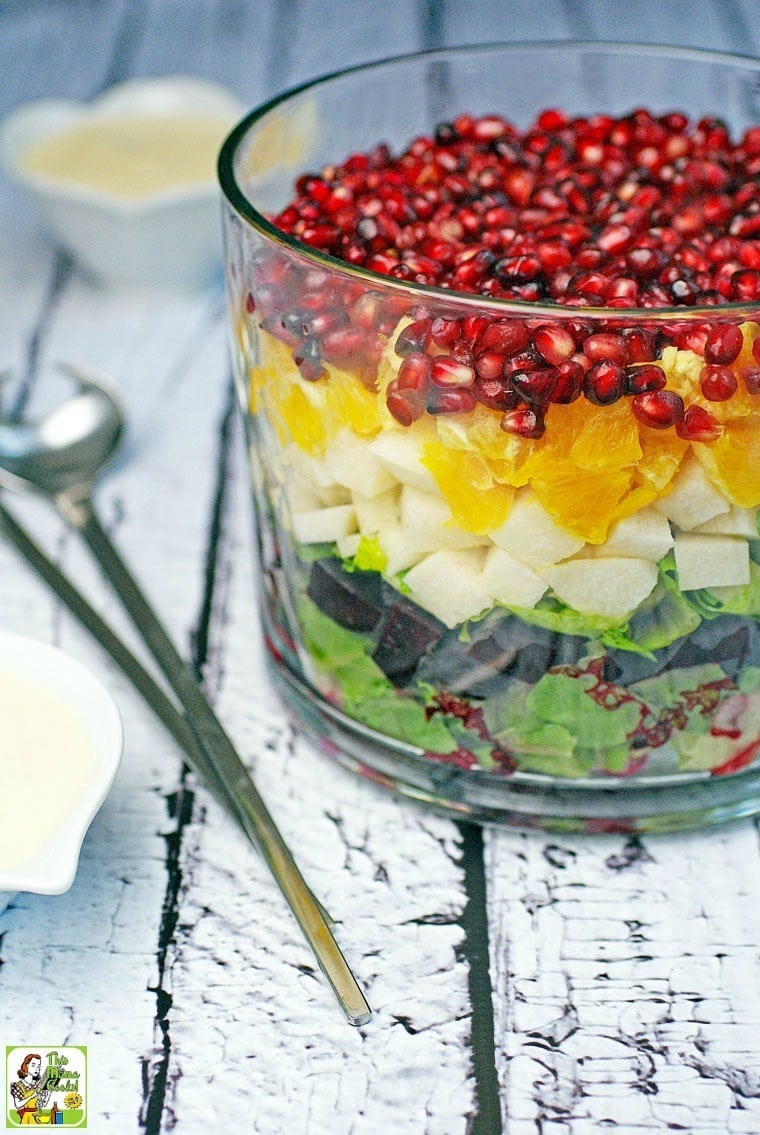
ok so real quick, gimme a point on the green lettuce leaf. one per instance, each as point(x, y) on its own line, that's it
point(369, 556)
point(557, 727)
point(665, 616)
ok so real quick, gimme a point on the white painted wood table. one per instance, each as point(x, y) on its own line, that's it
point(521, 982)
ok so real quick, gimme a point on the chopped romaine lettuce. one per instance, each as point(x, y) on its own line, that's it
point(369, 556)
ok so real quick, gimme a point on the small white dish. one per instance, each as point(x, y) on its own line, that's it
point(168, 238)
point(50, 817)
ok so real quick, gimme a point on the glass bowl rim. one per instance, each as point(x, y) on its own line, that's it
point(418, 293)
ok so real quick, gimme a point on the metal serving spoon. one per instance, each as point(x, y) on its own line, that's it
point(60, 456)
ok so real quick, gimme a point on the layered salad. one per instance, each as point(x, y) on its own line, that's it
point(509, 471)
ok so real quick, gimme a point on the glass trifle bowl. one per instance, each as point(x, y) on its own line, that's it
point(495, 321)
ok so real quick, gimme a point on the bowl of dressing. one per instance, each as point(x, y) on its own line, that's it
point(126, 183)
point(60, 747)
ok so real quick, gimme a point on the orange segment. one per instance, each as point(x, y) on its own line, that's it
point(478, 503)
point(609, 438)
point(732, 462)
point(350, 403)
point(304, 421)
point(662, 452)
point(583, 501)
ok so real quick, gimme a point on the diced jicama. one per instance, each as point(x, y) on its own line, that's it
point(644, 535)
point(704, 560)
point(350, 462)
point(692, 499)
point(376, 514)
point(509, 581)
point(400, 451)
point(449, 585)
point(736, 522)
point(429, 518)
point(610, 588)
point(531, 535)
point(324, 525)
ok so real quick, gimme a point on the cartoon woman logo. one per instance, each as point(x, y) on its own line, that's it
point(29, 1092)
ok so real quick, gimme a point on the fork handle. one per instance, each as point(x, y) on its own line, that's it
point(78, 511)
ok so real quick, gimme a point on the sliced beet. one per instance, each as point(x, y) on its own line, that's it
point(353, 599)
point(407, 635)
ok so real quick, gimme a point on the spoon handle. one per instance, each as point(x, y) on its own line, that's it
point(232, 773)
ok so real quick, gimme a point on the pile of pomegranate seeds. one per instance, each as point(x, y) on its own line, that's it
point(642, 211)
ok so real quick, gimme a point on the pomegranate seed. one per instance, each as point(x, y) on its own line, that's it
point(490, 127)
point(718, 384)
point(640, 345)
point(693, 338)
point(473, 326)
point(308, 359)
point(568, 384)
point(604, 345)
point(641, 379)
point(451, 401)
point(414, 372)
point(698, 424)
point(615, 239)
point(321, 236)
point(751, 376)
point(723, 344)
point(554, 342)
point(519, 185)
point(604, 383)
point(529, 359)
point(524, 422)
point(749, 254)
point(382, 262)
point(493, 392)
point(658, 409)
point(367, 311)
point(645, 263)
point(445, 332)
point(406, 406)
point(345, 342)
point(413, 337)
point(745, 285)
point(325, 321)
point(518, 269)
point(553, 255)
point(507, 336)
point(446, 371)
point(593, 284)
point(489, 365)
point(684, 292)
point(534, 386)
point(623, 290)
point(552, 119)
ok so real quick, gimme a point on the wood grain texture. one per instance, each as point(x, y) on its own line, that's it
point(522, 982)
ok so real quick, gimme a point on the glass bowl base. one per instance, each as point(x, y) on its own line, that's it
point(520, 800)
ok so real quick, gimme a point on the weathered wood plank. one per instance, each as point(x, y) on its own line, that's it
point(622, 975)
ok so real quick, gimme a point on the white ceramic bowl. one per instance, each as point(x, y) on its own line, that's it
point(168, 238)
point(59, 831)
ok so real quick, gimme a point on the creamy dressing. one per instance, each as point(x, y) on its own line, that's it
point(46, 760)
point(131, 156)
